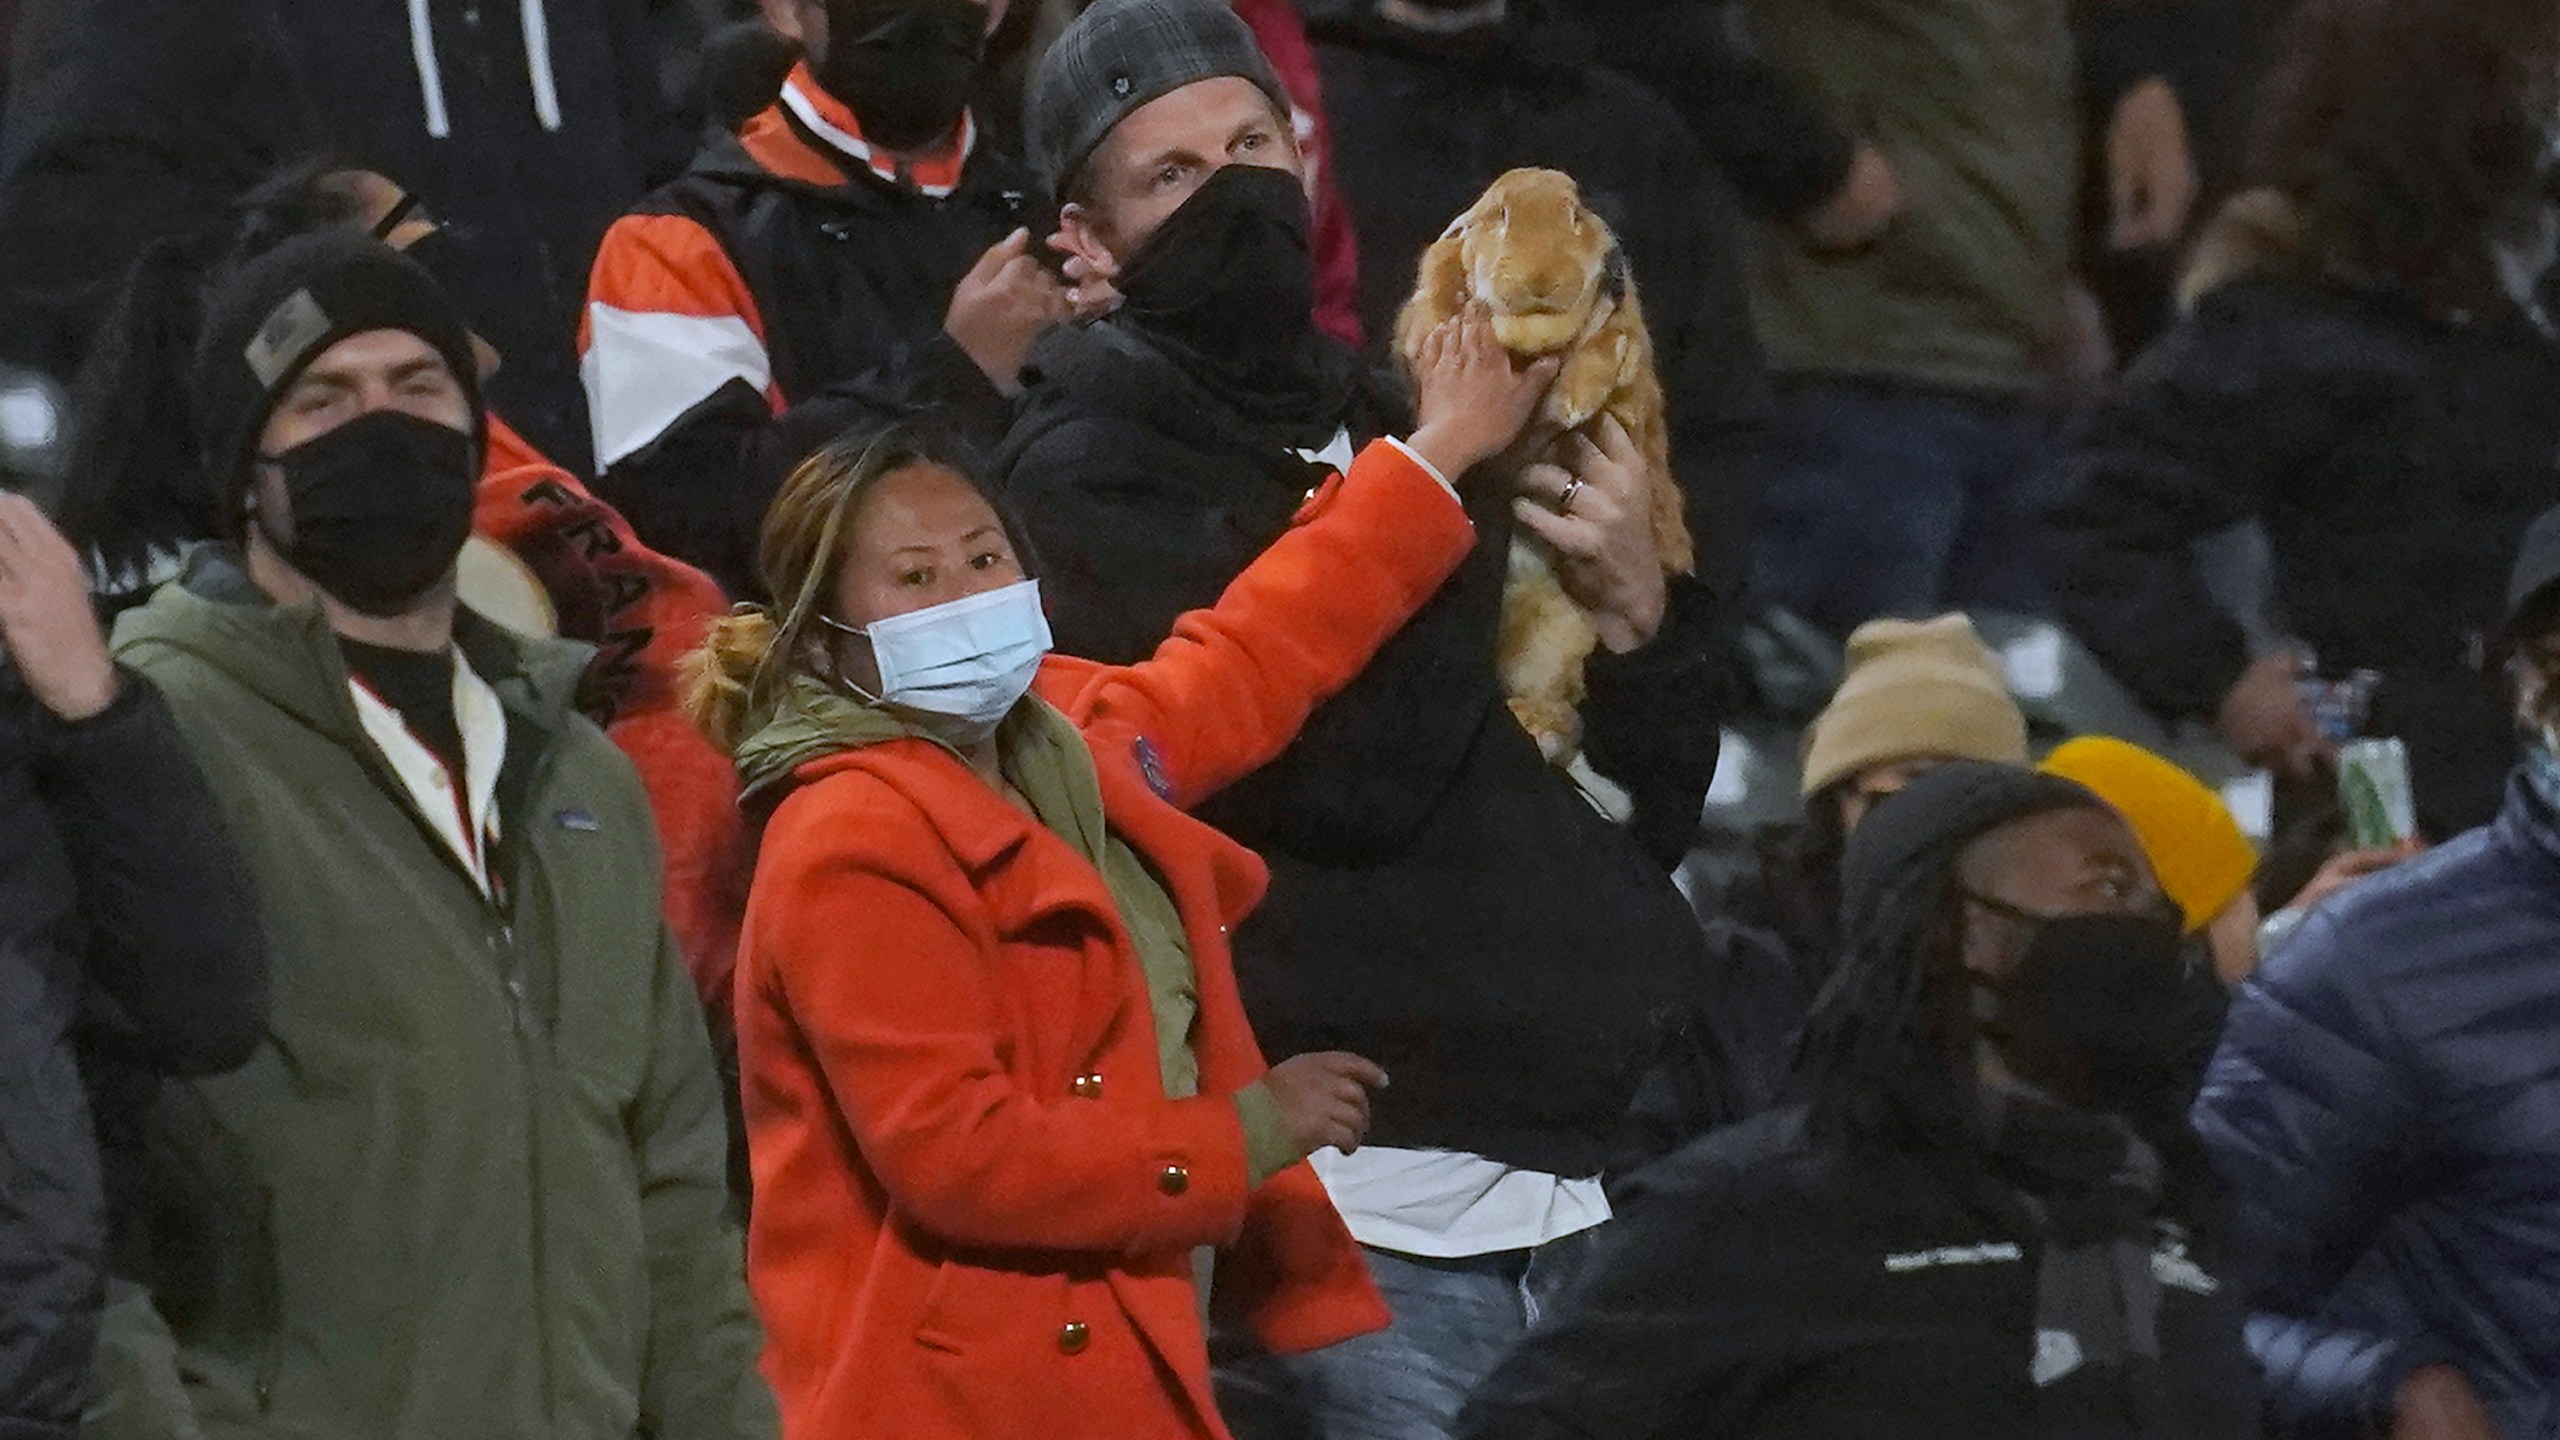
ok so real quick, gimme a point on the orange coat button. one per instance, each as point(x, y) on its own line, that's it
point(1087, 1087)
point(1074, 1337)
point(1174, 1180)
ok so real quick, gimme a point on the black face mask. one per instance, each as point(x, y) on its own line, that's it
point(1231, 275)
point(2101, 1010)
point(381, 506)
point(903, 66)
point(1225, 291)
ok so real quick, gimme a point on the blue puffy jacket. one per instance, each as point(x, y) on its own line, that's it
point(2387, 1103)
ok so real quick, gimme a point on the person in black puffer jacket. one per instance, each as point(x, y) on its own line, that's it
point(127, 929)
point(1441, 900)
point(2379, 387)
point(1431, 105)
point(1988, 1221)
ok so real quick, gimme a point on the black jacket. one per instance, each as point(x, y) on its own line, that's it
point(1442, 901)
point(2394, 459)
point(1760, 1283)
point(133, 119)
point(1422, 126)
point(850, 283)
point(1766, 130)
point(126, 923)
point(1733, 1059)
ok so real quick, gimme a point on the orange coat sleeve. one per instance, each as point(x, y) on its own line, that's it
point(882, 952)
point(1232, 685)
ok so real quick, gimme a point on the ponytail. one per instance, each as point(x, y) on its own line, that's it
point(718, 679)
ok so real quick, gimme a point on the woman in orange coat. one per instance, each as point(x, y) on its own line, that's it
point(1009, 1128)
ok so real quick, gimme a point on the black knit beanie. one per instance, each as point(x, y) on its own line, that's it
point(271, 317)
point(1921, 830)
point(1122, 54)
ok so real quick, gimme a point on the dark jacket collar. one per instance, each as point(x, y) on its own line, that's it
point(2528, 825)
point(1114, 369)
point(1535, 42)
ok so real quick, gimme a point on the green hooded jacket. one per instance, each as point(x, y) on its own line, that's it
point(472, 1184)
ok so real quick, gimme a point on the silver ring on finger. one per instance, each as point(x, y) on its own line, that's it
point(1566, 496)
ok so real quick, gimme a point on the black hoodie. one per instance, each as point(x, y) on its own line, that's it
point(524, 125)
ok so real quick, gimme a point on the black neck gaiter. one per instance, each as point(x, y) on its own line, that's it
point(1226, 286)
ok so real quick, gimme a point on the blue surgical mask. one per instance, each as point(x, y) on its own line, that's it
point(2542, 765)
point(959, 667)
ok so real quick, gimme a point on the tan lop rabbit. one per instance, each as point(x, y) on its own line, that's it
point(1557, 284)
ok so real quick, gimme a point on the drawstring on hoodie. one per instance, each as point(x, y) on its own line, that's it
point(422, 48)
point(537, 67)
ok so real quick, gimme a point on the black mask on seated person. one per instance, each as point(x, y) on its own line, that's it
point(903, 67)
point(2100, 1012)
point(381, 507)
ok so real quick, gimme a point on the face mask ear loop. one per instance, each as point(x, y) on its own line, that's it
point(793, 623)
point(253, 516)
point(842, 680)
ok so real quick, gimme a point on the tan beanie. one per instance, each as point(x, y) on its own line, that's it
point(1914, 689)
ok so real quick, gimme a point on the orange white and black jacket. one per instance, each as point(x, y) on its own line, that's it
point(788, 288)
point(642, 611)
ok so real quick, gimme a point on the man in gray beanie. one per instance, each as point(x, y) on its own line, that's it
point(1437, 889)
point(1124, 55)
point(472, 1180)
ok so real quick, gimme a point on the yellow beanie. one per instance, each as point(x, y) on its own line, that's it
point(2196, 848)
point(1915, 689)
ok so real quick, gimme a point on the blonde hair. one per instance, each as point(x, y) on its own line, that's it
point(729, 681)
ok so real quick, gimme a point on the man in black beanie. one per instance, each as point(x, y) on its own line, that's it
point(1441, 898)
point(472, 1183)
point(1982, 1224)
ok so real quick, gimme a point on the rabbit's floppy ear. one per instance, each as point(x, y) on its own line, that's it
point(1473, 213)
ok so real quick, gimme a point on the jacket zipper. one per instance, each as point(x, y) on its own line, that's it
point(499, 934)
point(528, 1064)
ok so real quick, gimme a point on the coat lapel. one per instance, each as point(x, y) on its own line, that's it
point(1038, 888)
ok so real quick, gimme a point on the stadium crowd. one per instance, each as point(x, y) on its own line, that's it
point(801, 719)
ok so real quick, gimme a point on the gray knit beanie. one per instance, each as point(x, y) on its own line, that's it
point(1120, 55)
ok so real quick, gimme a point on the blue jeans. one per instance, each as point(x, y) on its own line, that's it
point(1886, 499)
point(1454, 1321)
